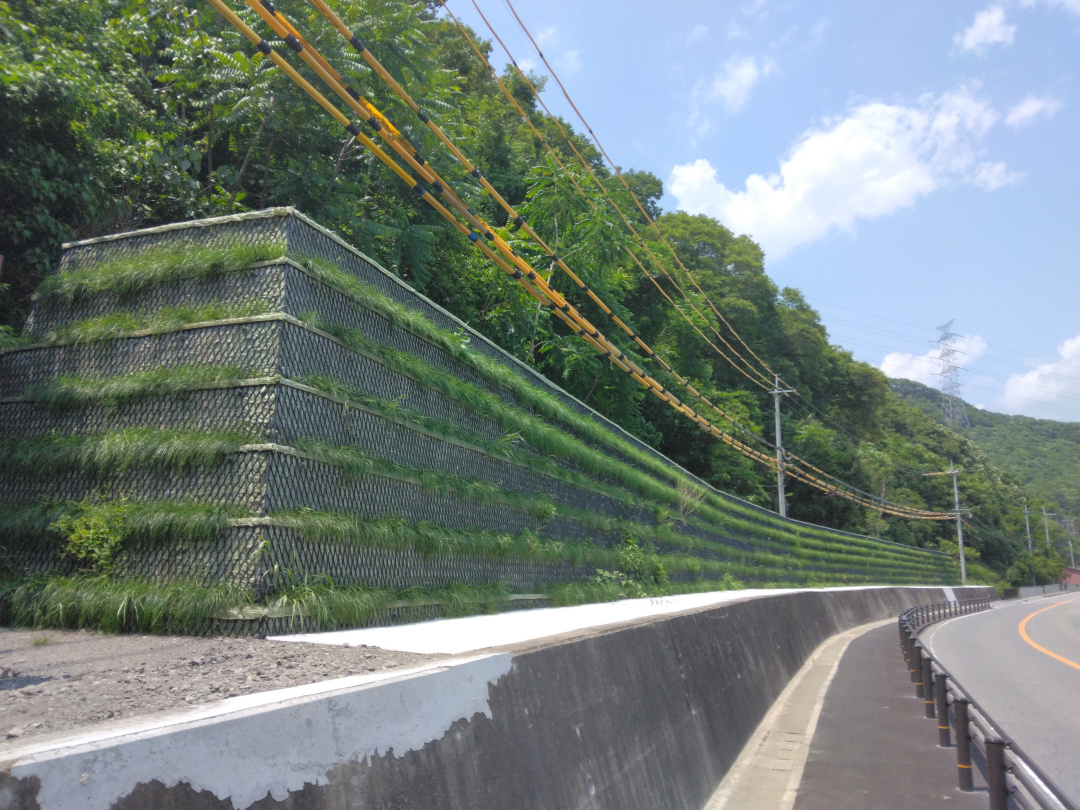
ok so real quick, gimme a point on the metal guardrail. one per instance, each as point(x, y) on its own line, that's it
point(1013, 780)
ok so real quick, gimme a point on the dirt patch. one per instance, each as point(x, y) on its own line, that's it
point(52, 681)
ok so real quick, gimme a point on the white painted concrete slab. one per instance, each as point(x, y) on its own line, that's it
point(273, 743)
point(471, 633)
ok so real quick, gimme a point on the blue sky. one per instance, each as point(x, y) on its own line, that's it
point(903, 164)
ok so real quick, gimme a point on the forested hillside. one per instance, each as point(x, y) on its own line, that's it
point(1043, 454)
point(124, 114)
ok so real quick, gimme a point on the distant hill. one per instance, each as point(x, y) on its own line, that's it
point(1043, 454)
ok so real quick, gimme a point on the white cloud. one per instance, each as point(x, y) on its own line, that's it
point(925, 368)
point(992, 176)
point(989, 28)
point(570, 62)
point(1050, 391)
point(1068, 5)
point(733, 83)
point(699, 33)
point(546, 36)
point(1031, 108)
point(874, 160)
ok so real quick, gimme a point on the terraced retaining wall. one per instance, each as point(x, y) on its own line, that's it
point(274, 406)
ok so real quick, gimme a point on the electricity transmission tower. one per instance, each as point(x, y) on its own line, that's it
point(955, 412)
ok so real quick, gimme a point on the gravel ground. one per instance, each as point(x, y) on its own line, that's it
point(52, 681)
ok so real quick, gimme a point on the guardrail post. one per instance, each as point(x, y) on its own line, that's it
point(963, 743)
point(941, 695)
point(913, 658)
point(995, 774)
point(928, 684)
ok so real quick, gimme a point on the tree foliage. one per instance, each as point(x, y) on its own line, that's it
point(125, 113)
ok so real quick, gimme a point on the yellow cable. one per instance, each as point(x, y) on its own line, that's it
point(539, 289)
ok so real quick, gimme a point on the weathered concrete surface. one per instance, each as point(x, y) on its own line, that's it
point(649, 715)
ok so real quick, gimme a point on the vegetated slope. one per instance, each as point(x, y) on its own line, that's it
point(1043, 454)
point(173, 115)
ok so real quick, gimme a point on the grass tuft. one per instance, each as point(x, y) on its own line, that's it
point(127, 276)
point(119, 451)
point(332, 608)
point(116, 325)
point(116, 606)
point(354, 462)
point(115, 391)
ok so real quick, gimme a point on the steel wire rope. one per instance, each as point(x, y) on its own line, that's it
point(763, 382)
point(588, 169)
point(622, 180)
point(372, 61)
point(285, 29)
point(641, 208)
point(554, 301)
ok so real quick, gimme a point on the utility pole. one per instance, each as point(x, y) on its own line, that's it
point(1031, 550)
point(1069, 530)
point(954, 472)
point(1027, 525)
point(1046, 524)
point(777, 392)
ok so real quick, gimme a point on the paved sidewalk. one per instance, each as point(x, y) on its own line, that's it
point(873, 746)
point(770, 767)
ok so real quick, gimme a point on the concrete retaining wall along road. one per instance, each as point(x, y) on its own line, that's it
point(649, 714)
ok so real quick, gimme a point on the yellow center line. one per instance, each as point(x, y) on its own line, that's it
point(1024, 635)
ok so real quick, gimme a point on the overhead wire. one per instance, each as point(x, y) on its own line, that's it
point(539, 287)
point(763, 382)
point(614, 204)
point(474, 172)
point(622, 180)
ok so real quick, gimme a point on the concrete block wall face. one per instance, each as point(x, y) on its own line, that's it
point(649, 715)
point(284, 396)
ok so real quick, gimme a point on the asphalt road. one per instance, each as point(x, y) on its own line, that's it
point(1021, 663)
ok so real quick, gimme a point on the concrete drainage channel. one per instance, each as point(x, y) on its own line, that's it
point(646, 705)
point(1013, 779)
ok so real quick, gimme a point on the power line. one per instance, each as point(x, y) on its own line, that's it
point(513, 265)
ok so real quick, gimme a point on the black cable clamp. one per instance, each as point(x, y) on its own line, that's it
point(348, 89)
point(489, 236)
point(354, 130)
point(293, 43)
point(420, 190)
point(585, 288)
point(373, 122)
point(269, 6)
point(518, 222)
point(422, 115)
point(419, 160)
point(518, 274)
point(356, 43)
point(565, 308)
point(263, 47)
point(476, 173)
